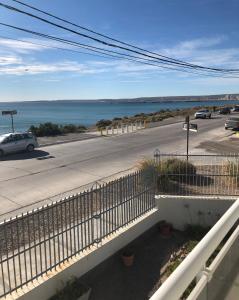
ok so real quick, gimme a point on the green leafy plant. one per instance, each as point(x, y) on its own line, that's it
point(72, 290)
point(165, 172)
point(103, 123)
point(51, 129)
point(175, 166)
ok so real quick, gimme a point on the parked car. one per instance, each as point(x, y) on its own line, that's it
point(225, 111)
point(15, 142)
point(235, 108)
point(232, 123)
point(203, 114)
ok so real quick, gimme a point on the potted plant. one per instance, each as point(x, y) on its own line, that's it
point(73, 290)
point(165, 229)
point(128, 257)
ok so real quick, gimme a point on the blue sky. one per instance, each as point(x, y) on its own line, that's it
point(203, 32)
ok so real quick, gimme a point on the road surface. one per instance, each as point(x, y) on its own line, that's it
point(59, 170)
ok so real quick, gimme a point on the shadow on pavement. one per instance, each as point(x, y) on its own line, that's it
point(38, 154)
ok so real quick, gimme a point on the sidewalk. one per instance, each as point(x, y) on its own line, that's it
point(74, 137)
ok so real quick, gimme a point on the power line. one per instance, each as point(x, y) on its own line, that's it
point(78, 33)
point(91, 48)
point(55, 47)
point(92, 31)
point(117, 46)
point(77, 44)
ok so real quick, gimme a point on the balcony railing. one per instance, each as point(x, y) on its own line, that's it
point(215, 280)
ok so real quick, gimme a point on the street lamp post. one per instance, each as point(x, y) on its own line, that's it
point(11, 113)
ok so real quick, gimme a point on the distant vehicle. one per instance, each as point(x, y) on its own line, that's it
point(16, 142)
point(225, 111)
point(203, 114)
point(235, 108)
point(232, 123)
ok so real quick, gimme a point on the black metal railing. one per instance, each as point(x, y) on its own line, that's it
point(38, 241)
point(199, 175)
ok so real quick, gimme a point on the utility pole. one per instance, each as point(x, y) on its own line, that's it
point(187, 120)
point(189, 127)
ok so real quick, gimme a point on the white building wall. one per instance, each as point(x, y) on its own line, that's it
point(200, 210)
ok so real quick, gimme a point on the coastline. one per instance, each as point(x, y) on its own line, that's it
point(90, 115)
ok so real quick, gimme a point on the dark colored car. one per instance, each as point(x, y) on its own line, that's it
point(225, 111)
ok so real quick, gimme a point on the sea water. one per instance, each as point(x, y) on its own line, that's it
point(84, 113)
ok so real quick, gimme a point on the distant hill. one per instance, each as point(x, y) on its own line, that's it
point(176, 98)
point(222, 97)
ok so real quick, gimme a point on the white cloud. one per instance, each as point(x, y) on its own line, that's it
point(9, 60)
point(24, 46)
point(40, 68)
point(204, 51)
point(186, 48)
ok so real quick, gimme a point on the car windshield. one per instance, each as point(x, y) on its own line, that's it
point(203, 110)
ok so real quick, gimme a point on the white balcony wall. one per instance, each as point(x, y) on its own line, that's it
point(200, 210)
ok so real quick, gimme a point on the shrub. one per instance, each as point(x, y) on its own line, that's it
point(150, 170)
point(72, 290)
point(103, 123)
point(232, 168)
point(71, 128)
point(140, 115)
point(51, 129)
point(175, 166)
point(46, 129)
point(167, 172)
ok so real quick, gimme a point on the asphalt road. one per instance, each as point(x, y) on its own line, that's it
point(28, 180)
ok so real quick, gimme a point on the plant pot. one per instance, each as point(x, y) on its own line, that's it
point(128, 259)
point(166, 229)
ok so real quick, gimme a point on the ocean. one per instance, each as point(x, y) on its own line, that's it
point(85, 113)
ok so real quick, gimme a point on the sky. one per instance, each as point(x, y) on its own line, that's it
point(204, 32)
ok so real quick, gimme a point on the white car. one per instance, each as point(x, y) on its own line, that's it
point(203, 114)
point(16, 142)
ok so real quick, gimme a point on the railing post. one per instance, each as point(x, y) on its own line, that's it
point(157, 156)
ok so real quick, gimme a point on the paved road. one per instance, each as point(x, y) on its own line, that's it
point(31, 179)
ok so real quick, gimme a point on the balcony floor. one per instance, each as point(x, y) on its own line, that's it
point(112, 280)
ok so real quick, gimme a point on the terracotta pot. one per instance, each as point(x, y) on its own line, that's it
point(166, 229)
point(128, 260)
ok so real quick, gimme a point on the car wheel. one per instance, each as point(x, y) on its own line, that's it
point(1, 153)
point(226, 128)
point(210, 116)
point(30, 148)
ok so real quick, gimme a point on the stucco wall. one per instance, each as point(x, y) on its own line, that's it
point(201, 210)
